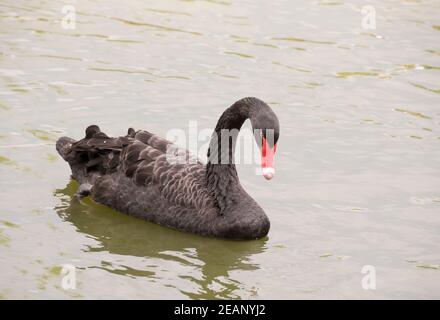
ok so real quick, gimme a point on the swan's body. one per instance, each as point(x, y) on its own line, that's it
point(132, 174)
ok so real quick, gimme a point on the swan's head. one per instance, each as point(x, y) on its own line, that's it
point(267, 131)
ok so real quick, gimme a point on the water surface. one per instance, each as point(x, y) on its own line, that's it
point(358, 171)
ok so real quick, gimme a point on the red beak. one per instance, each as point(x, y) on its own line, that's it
point(267, 155)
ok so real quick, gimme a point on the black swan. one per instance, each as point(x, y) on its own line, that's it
point(133, 174)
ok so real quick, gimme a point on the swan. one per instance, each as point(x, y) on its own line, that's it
point(134, 174)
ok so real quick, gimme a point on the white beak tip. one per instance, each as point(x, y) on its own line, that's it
point(268, 173)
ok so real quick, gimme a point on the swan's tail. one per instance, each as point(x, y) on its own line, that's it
point(64, 145)
point(94, 155)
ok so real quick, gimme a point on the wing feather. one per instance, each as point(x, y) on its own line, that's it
point(142, 156)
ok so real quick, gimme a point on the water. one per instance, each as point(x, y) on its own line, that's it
point(357, 163)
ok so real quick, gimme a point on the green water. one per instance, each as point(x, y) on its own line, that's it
point(358, 171)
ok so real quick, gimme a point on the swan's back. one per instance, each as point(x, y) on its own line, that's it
point(141, 158)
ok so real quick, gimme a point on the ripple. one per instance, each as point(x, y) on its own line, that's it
point(265, 45)
point(154, 26)
point(430, 67)
point(8, 224)
point(233, 36)
point(419, 67)
point(13, 164)
point(17, 88)
point(291, 67)
point(4, 239)
point(239, 54)
point(45, 135)
point(121, 70)
point(429, 266)
point(436, 52)
point(123, 270)
point(347, 74)
point(176, 77)
point(352, 209)
point(295, 39)
point(123, 40)
point(413, 113)
point(417, 85)
point(91, 35)
point(225, 3)
point(6, 161)
point(224, 75)
point(55, 57)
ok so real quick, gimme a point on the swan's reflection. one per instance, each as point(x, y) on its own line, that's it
point(123, 235)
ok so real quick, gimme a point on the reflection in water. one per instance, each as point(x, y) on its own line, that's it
point(124, 235)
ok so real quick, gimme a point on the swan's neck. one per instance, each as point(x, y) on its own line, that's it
point(221, 174)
